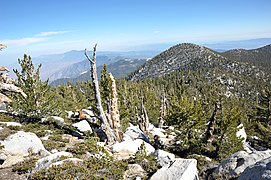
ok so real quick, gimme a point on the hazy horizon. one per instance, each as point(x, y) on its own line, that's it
point(50, 27)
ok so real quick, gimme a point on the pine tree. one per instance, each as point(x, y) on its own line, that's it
point(264, 107)
point(39, 101)
point(106, 91)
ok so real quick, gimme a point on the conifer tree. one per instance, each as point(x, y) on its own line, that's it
point(264, 107)
point(39, 101)
point(106, 91)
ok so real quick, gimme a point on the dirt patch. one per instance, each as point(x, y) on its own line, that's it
point(7, 173)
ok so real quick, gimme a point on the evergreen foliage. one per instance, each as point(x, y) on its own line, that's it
point(40, 99)
point(105, 84)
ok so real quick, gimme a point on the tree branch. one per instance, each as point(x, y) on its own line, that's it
point(89, 59)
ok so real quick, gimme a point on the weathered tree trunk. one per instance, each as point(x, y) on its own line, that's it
point(210, 127)
point(114, 112)
point(93, 70)
point(163, 109)
point(144, 119)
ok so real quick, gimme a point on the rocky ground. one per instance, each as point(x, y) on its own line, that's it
point(65, 147)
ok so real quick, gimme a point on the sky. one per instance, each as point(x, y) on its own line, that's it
point(37, 27)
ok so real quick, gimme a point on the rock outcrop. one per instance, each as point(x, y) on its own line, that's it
point(180, 169)
point(234, 165)
point(125, 149)
point(19, 145)
point(83, 126)
point(135, 171)
point(260, 170)
point(164, 158)
point(22, 143)
point(47, 161)
point(133, 132)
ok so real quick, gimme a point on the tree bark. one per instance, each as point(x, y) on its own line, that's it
point(114, 111)
point(163, 108)
point(210, 128)
point(101, 115)
point(144, 119)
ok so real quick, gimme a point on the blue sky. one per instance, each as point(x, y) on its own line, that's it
point(40, 27)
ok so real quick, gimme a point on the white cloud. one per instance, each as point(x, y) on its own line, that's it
point(155, 32)
point(50, 33)
point(23, 41)
point(41, 37)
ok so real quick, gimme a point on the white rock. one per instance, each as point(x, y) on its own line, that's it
point(88, 112)
point(21, 143)
point(158, 131)
point(126, 137)
point(11, 124)
point(11, 160)
point(83, 126)
point(132, 147)
point(89, 115)
point(3, 157)
point(241, 133)
point(55, 118)
point(70, 114)
point(135, 133)
point(164, 158)
point(260, 170)
point(73, 160)
point(135, 171)
point(53, 151)
point(181, 169)
point(49, 160)
point(234, 165)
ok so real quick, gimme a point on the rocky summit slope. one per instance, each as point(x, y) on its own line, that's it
point(259, 57)
point(193, 57)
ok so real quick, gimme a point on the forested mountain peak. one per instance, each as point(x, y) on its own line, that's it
point(259, 57)
point(179, 57)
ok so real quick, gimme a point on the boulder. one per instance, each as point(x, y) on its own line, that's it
point(49, 160)
point(234, 165)
point(3, 157)
point(241, 133)
point(164, 158)
point(260, 170)
point(135, 171)
point(70, 114)
point(11, 124)
point(73, 160)
point(135, 133)
point(156, 131)
point(11, 160)
point(22, 143)
point(54, 118)
point(131, 147)
point(180, 169)
point(83, 126)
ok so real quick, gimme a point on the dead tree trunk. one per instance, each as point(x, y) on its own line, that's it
point(163, 109)
point(93, 73)
point(210, 127)
point(114, 111)
point(143, 120)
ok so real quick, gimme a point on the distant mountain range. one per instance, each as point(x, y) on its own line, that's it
point(71, 64)
point(119, 69)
